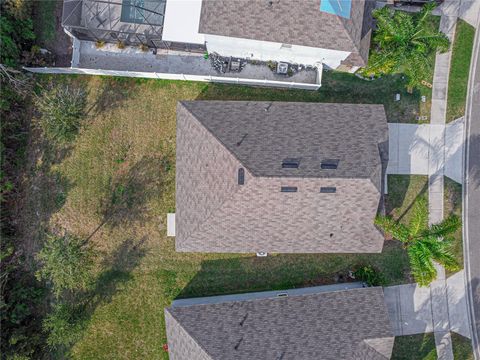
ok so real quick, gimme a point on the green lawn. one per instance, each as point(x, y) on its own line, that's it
point(453, 205)
point(128, 142)
point(403, 192)
point(462, 347)
point(459, 70)
point(414, 347)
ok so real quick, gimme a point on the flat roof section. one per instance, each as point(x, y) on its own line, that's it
point(182, 19)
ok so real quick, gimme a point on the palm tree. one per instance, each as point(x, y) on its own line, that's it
point(424, 244)
point(405, 43)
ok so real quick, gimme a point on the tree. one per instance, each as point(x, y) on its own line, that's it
point(405, 43)
point(66, 262)
point(62, 108)
point(424, 244)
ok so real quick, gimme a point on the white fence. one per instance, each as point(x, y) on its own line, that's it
point(167, 76)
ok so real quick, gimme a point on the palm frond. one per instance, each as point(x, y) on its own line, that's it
point(392, 227)
point(419, 220)
point(446, 227)
point(421, 264)
point(441, 251)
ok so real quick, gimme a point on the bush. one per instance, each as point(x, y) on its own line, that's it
point(370, 275)
point(66, 262)
point(62, 108)
point(64, 325)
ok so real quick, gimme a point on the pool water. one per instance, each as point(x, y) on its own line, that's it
point(337, 7)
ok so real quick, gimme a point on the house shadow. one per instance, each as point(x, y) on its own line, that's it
point(274, 272)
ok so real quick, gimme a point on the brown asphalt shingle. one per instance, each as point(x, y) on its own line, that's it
point(216, 214)
point(294, 22)
point(347, 325)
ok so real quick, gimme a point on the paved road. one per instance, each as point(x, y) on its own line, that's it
point(472, 198)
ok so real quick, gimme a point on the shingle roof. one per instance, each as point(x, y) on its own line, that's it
point(349, 324)
point(296, 22)
point(216, 214)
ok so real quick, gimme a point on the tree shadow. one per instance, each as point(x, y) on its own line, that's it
point(119, 266)
point(128, 200)
point(396, 199)
point(111, 93)
point(44, 192)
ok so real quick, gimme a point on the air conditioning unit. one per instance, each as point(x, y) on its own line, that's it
point(282, 68)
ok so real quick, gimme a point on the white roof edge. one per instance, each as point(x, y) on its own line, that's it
point(182, 20)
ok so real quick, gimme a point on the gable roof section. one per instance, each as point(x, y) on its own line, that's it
point(261, 134)
point(216, 214)
point(292, 22)
point(349, 324)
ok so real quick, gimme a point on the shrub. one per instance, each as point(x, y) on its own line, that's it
point(120, 44)
point(99, 44)
point(144, 47)
point(66, 262)
point(370, 275)
point(64, 325)
point(62, 109)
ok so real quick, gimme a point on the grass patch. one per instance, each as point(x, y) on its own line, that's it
point(462, 347)
point(459, 70)
point(403, 192)
point(117, 180)
point(414, 347)
point(453, 205)
point(45, 20)
point(342, 88)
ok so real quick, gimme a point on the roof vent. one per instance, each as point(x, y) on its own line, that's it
point(284, 294)
point(328, 189)
point(241, 176)
point(288, 189)
point(329, 164)
point(290, 163)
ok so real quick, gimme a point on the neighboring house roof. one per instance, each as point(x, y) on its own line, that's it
point(215, 139)
point(347, 325)
point(294, 23)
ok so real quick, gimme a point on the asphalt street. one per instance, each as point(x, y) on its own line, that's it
point(472, 199)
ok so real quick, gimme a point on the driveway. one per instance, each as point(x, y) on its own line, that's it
point(426, 149)
point(440, 307)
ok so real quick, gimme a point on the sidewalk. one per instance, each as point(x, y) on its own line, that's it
point(441, 326)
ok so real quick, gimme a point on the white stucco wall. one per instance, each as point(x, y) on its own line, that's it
point(265, 50)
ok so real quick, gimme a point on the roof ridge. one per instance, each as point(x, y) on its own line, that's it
point(364, 289)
